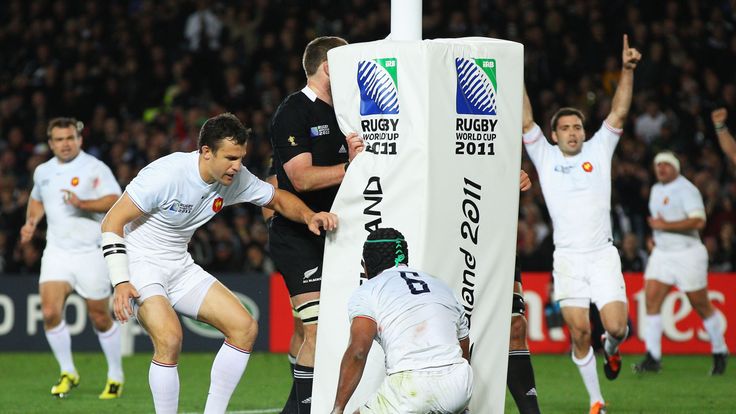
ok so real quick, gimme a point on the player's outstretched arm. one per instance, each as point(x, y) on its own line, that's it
point(362, 332)
point(525, 183)
point(265, 211)
point(527, 116)
point(725, 139)
point(113, 248)
point(630, 57)
point(34, 214)
point(294, 209)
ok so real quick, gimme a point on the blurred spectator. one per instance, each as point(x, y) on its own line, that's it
point(143, 75)
point(633, 257)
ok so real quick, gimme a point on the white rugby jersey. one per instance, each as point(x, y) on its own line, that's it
point(418, 318)
point(675, 201)
point(70, 228)
point(577, 189)
point(176, 201)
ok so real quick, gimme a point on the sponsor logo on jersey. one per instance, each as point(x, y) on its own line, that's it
point(587, 166)
point(476, 86)
point(177, 206)
point(379, 87)
point(217, 205)
point(75, 181)
point(311, 272)
point(565, 169)
point(319, 130)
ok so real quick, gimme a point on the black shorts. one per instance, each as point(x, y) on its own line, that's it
point(297, 254)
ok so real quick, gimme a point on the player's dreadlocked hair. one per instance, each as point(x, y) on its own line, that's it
point(383, 249)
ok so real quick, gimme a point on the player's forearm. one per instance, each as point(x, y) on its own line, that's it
point(351, 370)
point(465, 346)
point(527, 117)
point(314, 178)
point(100, 205)
point(688, 224)
point(34, 212)
point(728, 144)
point(291, 207)
point(622, 99)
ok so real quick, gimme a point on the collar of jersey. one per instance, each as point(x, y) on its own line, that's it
point(312, 95)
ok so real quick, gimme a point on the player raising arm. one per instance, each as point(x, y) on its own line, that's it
point(575, 176)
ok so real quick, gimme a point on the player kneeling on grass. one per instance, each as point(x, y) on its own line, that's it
point(424, 334)
point(158, 213)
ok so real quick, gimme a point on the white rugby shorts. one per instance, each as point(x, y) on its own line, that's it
point(444, 389)
point(687, 268)
point(183, 282)
point(582, 278)
point(85, 272)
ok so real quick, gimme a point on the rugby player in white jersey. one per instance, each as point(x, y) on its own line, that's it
point(576, 183)
point(74, 190)
point(144, 240)
point(679, 258)
point(423, 332)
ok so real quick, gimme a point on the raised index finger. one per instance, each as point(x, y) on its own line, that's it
point(626, 41)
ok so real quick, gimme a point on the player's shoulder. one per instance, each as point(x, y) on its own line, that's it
point(46, 167)
point(173, 161)
point(294, 103)
point(683, 182)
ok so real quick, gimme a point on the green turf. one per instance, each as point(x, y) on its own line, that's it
point(683, 386)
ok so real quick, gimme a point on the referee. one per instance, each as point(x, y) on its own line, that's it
point(310, 156)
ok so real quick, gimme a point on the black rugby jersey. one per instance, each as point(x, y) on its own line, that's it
point(305, 123)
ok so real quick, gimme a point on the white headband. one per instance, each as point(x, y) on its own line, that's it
point(669, 158)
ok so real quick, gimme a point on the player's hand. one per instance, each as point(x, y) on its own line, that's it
point(656, 223)
point(355, 145)
point(26, 232)
point(121, 306)
point(327, 221)
point(71, 198)
point(719, 116)
point(630, 56)
point(525, 182)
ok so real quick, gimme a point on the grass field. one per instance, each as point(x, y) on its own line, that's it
point(683, 386)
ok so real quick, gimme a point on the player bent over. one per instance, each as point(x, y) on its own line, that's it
point(145, 237)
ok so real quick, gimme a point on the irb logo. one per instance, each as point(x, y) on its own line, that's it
point(476, 86)
point(379, 88)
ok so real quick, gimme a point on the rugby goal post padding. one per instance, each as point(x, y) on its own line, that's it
point(441, 120)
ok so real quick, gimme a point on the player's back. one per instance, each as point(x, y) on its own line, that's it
point(419, 319)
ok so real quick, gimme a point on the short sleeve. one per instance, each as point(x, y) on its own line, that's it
point(105, 182)
point(146, 189)
point(607, 138)
point(36, 190)
point(463, 330)
point(290, 132)
point(692, 202)
point(250, 189)
point(359, 305)
point(536, 144)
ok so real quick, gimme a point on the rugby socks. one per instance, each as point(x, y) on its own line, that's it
point(110, 343)
point(612, 343)
point(653, 335)
point(60, 342)
point(520, 380)
point(164, 382)
point(588, 371)
point(714, 327)
point(303, 377)
point(291, 406)
point(227, 370)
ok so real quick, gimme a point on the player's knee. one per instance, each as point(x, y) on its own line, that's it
point(580, 334)
point(518, 331)
point(242, 332)
point(101, 320)
point(168, 346)
point(51, 315)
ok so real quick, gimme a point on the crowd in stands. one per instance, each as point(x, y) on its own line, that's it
point(143, 75)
